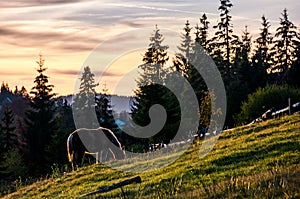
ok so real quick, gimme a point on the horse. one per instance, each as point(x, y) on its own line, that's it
point(100, 141)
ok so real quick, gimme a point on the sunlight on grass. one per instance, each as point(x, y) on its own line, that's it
point(254, 161)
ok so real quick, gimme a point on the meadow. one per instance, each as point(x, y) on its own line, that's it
point(260, 160)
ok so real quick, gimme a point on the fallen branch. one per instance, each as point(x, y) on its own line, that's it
point(114, 186)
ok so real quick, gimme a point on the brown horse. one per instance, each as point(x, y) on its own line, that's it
point(100, 141)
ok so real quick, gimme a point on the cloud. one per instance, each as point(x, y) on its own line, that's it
point(14, 73)
point(72, 72)
point(70, 41)
point(31, 3)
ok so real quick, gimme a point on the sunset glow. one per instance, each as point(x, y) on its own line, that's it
point(66, 32)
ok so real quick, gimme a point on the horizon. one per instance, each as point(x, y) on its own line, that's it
point(66, 32)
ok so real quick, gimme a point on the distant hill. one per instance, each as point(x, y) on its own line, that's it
point(119, 103)
point(254, 161)
point(15, 102)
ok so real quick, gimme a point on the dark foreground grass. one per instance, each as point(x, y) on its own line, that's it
point(255, 161)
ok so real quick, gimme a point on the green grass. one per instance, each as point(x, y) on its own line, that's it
point(255, 161)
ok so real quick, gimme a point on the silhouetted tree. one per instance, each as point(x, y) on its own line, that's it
point(8, 136)
point(181, 61)
point(262, 58)
point(40, 118)
point(151, 91)
point(104, 111)
point(202, 34)
point(223, 37)
point(84, 101)
point(56, 150)
point(285, 45)
point(154, 60)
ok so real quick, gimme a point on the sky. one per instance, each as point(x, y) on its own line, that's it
point(69, 33)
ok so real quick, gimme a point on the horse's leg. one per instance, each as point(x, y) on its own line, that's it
point(77, 159)
point(72, 162)
point(112, 153)
point(71, 159)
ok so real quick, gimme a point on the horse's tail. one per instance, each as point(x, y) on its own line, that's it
point(70, 147)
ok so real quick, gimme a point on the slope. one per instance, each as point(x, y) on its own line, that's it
point(255, 161)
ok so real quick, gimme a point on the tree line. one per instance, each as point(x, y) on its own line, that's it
point(245, 63)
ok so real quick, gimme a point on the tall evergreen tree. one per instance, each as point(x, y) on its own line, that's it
point(186, 44)
point(223, 37)
point(40, 118)
point(84, 101)
point(64, 126)
point(262, 58)
point(104, 111)
point(285, 45)
point(244, 68)
point(151, 95)
point(182, 59)
point(202, 34)
point(8, 136)
point(151, 91)
point(241, 82)
point(154, 60)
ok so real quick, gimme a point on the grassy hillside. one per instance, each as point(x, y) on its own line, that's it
point(257, 161)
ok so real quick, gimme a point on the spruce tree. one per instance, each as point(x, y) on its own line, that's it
point(84, 101)
point(40, 118)
point(104, 111)
point(202, 34)
point(244, 68)
point(285, 45)
point(154, 60)
point(262, 58)
point(64, 126)
point(151, 91)
point(223, 37)
point(241, 82)
point(186, 44)
point(181, 63)
point(8, 136)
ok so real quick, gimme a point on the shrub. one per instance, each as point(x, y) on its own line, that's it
point(263, 99)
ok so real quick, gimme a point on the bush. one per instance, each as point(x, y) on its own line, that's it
point(263, 99)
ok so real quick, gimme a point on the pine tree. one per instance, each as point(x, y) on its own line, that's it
point(154, 61)
point(8, 136)
point(40, 118)
point(84, 101)
point(151, 91)
point(241, 83)
point(262, 58)
point(285, 45)
point(181, 63)
point(186, 45)
point(202, 34)
point(149, 96)
point(223, 37)
point(64, 126)
point(243, 65)
point(104, 111)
